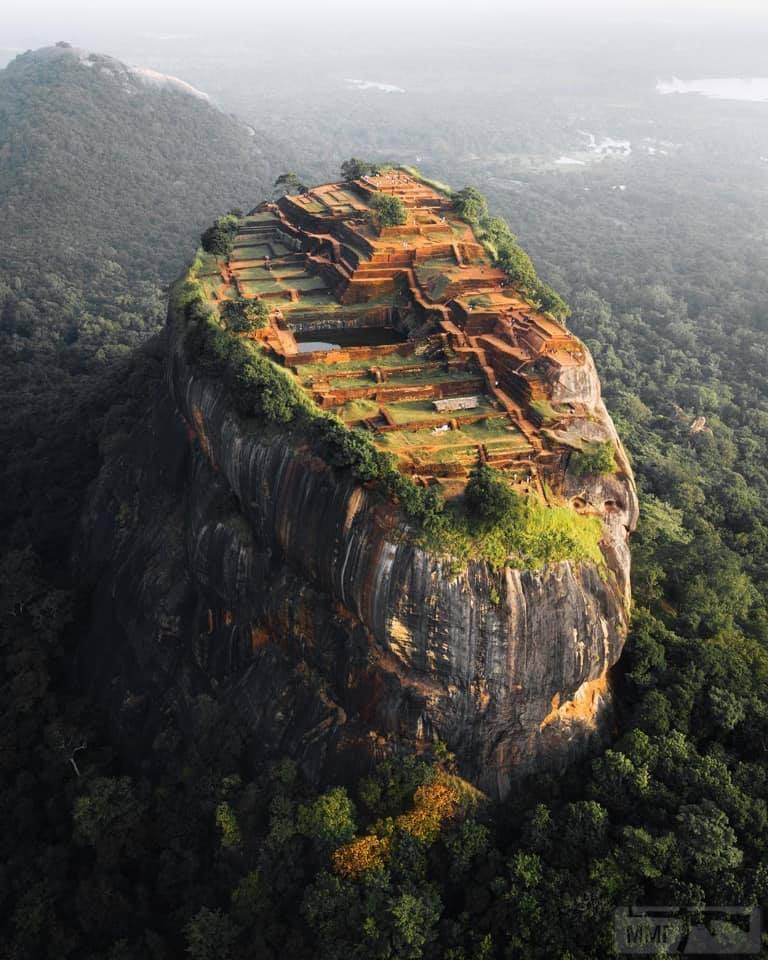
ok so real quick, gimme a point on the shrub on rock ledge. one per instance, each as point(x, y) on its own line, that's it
point(597, 459)
point(242, 316)
point(219, 238)
point(489, 498)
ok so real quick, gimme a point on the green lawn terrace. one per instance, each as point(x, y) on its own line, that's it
point(395, 392)
point(266, 263)
point(407, 331)
point(447, 451)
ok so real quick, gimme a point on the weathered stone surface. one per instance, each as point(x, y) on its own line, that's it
point(235, 564)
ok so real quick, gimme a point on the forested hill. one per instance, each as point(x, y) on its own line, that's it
point(107, 176)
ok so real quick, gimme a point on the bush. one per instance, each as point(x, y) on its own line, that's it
point(220, 238)
point(260, 388)
point(289, 183)
point(391, 211)
point(329, 819)
point(354, 168)
point(470, 205)
point(242, 316)
point(349, 449)
point(207, 345)
point(209, 935)
point(515, 262)
point(488, 497)
point(551, 302)
point(597, 459)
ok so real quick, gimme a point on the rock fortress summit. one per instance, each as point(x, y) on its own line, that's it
point(387, 506)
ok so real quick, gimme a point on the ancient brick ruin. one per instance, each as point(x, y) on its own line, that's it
point(382, 325)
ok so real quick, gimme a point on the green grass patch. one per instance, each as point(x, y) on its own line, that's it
point(358, 410)
point(530, 537)
point(406, 378)
point(263, 216)
point(256, 287)
point(253, 273)
point(211, 286)
point(544, 411)
point(485, 430)
point(514, 443)
point(481, 300)
point(351, 383)
point(595, 459)
point(315, 369)
point(307, 283)
point(283, 273)
point(434, 281)
point(402, 439)
point(250, 251)
point(445, 455)
point(404, 411)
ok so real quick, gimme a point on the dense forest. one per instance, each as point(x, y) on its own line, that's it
point(196, 851)
point(105, 183)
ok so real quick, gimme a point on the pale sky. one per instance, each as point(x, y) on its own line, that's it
point(37, 11)
point(120, 26)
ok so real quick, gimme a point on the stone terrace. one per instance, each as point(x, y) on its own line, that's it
point(382, 324)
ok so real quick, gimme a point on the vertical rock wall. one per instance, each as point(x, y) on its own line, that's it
point(233, 562)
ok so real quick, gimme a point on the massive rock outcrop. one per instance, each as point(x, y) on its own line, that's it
point(232, 561)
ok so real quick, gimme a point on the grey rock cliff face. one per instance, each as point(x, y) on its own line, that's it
point(235, 563)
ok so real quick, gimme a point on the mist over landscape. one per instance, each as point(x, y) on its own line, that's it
point(384, 530)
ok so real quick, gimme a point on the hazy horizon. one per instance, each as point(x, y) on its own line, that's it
point(44, 21)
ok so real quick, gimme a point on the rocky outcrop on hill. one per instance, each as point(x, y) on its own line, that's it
point(232, 562)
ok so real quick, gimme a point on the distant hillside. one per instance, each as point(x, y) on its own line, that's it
point(107, 176)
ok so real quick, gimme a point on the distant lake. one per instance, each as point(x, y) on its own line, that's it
point(374, 85)
point(754, 89)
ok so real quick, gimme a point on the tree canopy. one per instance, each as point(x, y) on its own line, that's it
point(489, 497)
point(390, 210)
point(354, 168)
point(289, 183)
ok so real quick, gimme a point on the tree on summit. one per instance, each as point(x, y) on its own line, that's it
point(242, 316)
point(391, 211)
point(354, 168)
point(471, 205)
point(489, 498)
point(289, 183)
point(219, 238)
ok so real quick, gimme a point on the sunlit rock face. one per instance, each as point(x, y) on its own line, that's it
point(236, 564)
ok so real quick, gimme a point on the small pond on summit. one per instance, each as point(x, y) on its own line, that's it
point(335, 339)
